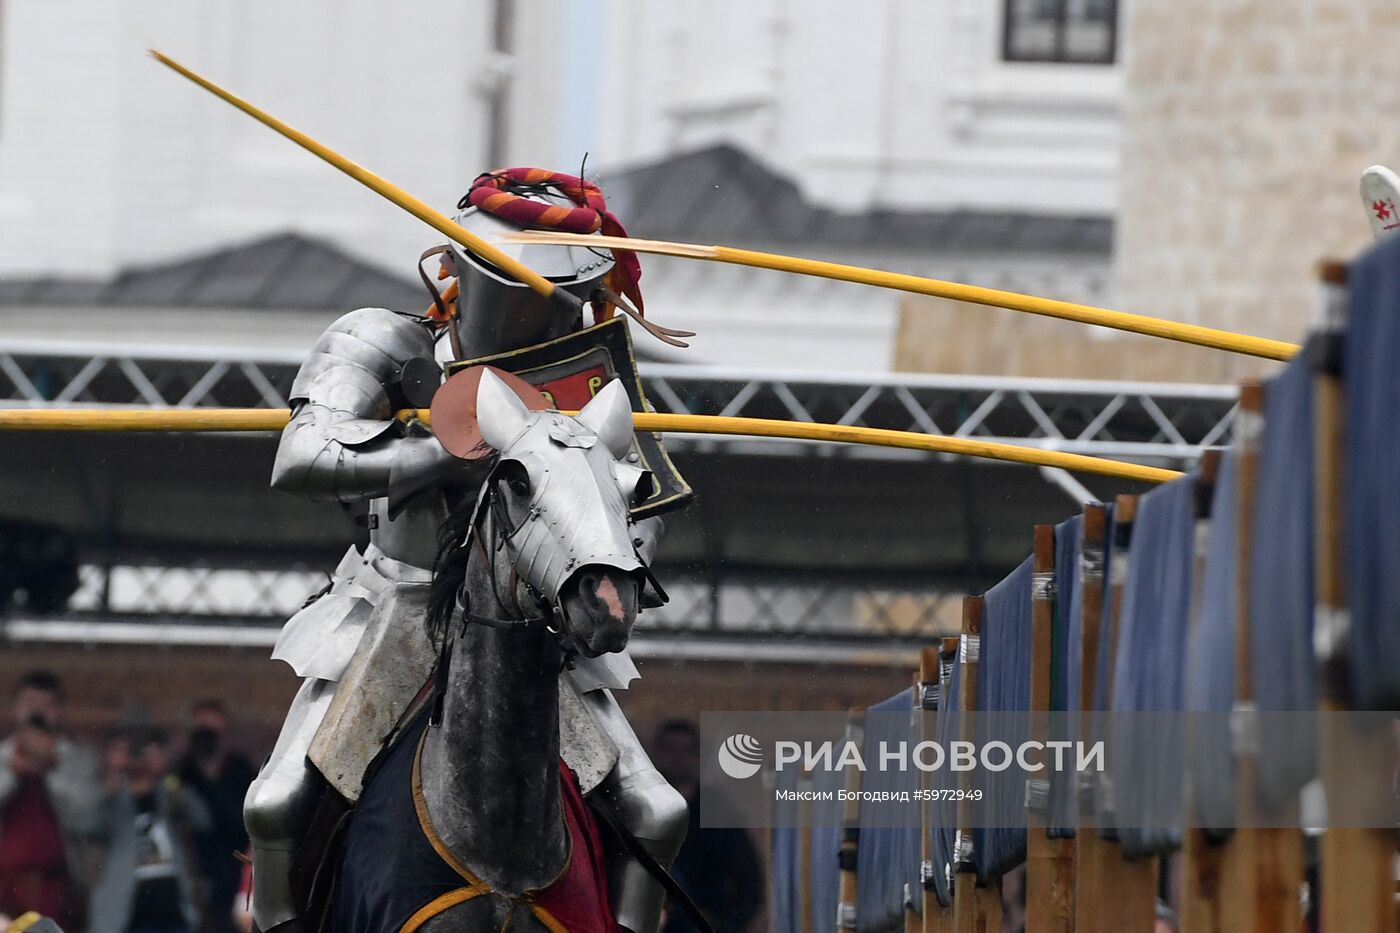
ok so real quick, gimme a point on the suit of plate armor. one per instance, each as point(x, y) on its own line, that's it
point(343, 444)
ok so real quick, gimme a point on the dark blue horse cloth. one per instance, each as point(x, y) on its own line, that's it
point(1210, 676)
point(1064, 676)
point(943, 814)
point(1004, 687)
point(388, 868)
point(1147, 762)
point(1281, 607)
point(888, 857)
point(1372, 474)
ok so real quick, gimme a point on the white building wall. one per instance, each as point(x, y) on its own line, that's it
point(108, 160)
point(898, 103)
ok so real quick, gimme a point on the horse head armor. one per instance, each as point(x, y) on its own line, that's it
point(563, 488)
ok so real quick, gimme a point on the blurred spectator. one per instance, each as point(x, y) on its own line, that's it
point(220, 776)
point(718, 868)
point(150, 881)
point(48, 798)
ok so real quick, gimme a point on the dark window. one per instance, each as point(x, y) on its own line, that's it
point(1076, 31)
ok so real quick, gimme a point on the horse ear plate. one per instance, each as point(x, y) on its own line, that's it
point(454, 410)
point(609, 415)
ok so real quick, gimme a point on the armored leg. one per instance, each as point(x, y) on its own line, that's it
point(652, 810)
point(280, 805)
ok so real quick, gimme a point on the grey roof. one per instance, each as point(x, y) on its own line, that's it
point(722, 194)
point(280, 272)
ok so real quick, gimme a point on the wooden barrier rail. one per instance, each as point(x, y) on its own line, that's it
point(1049, 861)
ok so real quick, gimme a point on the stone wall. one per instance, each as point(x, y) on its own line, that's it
point(941, 336)
point(1246, 124)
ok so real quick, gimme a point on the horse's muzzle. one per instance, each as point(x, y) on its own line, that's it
point(600, 603)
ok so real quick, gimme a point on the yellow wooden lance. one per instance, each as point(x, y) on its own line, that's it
point(274, 419)
point(1065, 310)
point(1030, 304)
point(433, 218)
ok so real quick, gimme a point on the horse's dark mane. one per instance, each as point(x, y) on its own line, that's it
point(450, 566)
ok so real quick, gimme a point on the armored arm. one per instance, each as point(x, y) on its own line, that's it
point(343, 442)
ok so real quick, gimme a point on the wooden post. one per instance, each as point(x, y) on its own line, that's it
point(1129, 884)
point(1200, 858)
point(846, 906)
point(1358, 862)
point(1237, 913)
point(927, 693)
point(975, 909)
point(943, 917)
point(1090, 848)
point(1049, 862)
point(1260, 868)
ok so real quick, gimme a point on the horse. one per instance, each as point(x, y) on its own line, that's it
point(470, 823)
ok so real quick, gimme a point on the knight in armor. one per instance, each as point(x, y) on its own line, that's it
point(360, 647)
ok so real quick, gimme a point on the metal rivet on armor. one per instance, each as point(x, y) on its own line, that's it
point(632, 457)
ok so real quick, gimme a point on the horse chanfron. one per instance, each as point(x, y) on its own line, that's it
point(564, 487)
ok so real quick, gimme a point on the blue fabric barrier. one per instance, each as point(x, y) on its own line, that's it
point(943, 814)
point(824, 886)
point(1210, 679)
point(1372, 473)
point(1004, 685)
point(1104, 658)
point(1281, 582)
point(785, 868)
point(1149, 670)
point(1103, 661)
point(1064, 679)
point(888, 857)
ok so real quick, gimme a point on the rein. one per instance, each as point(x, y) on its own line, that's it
point(488, 504)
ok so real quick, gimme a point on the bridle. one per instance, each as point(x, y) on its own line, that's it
point(491, 511)
point(490, 505)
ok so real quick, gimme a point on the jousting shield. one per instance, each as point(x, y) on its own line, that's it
point(564, 374)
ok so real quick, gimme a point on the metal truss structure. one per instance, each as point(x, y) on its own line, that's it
point(732, 604)
point(1167, 424)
